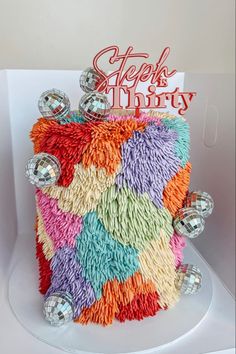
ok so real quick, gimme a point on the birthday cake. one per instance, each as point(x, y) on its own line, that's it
point(113, 209)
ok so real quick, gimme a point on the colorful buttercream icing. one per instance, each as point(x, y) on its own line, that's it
point(104, 232)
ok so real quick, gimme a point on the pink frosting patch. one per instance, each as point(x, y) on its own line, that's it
point(61, 227)
point(177, 244)
point(144, 117)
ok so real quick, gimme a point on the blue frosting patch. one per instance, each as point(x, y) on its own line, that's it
point(74, 117)
point(181, 127)
point(102, 258)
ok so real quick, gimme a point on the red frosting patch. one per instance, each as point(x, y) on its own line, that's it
point(67, 142)
point(142, 305)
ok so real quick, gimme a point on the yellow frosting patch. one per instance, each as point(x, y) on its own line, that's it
point(43, 238)
point(84, 192)
point(157, 264)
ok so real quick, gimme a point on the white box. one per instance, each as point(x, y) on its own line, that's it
point(211, 118)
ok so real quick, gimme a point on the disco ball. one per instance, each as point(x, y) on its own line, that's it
point(43, 170)
point(188, 279)
point(54, 104)
point(94, 106)
point(58, 308)
point(90, 80)
point(188, 222)
point(201, 201)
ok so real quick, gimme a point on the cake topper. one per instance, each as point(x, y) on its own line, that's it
point(127, 80)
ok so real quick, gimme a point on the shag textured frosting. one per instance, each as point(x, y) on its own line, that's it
point(104, 232)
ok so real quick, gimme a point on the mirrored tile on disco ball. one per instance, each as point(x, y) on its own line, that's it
point(54, 104)
point(94, 106)
point(43, 170)
point(201, 201)
point(188, 279)
point(188, 222)
point(90, 80)
point(58, 308)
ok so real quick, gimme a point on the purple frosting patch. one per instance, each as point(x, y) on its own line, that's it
point(67, 277)
point(149, 162)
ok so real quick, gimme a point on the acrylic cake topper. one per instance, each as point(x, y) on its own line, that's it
point(127, 80)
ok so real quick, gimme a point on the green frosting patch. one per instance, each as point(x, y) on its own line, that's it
point(132, 220)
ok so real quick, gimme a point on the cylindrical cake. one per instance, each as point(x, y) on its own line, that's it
point(104, 231)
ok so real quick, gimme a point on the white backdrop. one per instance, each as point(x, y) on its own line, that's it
point(66, 34)
point(212, 123)
point(8, 220)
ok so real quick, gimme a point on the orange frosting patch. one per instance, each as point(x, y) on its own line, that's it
point(104, 150)
point(176, 190)
point(38, 132)
point(115, 294)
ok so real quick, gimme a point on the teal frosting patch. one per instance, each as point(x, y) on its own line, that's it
point(102, 257)
point(182, 143)
point(74, 117)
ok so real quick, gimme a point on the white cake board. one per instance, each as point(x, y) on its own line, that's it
point(130, 337)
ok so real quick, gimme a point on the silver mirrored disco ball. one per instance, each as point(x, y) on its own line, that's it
point(188, 279)
point(58, 308)
point(43, 170)
point(201, 201)
point(54, 104)
point(90, 80)
point(188, 222)
point(94, 106)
